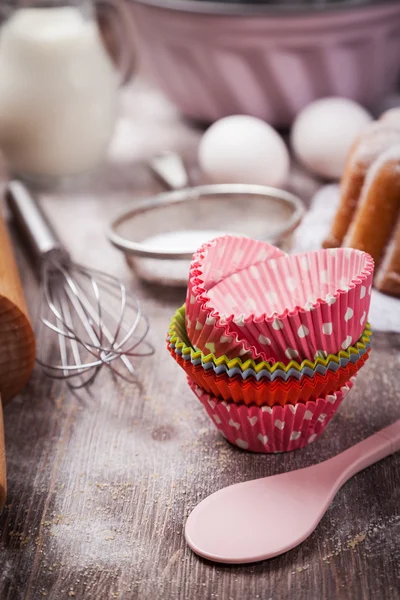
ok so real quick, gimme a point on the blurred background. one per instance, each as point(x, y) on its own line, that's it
point(131, 132)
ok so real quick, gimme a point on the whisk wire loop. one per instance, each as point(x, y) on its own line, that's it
point(87, 310)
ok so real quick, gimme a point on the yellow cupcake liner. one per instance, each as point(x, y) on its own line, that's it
point(178, 339)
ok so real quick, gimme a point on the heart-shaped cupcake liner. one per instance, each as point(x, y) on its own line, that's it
point(179, 342)
point(212, 263)
point(226, 255)
point(276, 429)
point(267, 393)
point(276, 309)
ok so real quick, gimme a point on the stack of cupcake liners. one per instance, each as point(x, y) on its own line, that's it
point(271, 343)
point(271, 429)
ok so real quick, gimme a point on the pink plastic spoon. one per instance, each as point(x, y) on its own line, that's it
point(259, 519)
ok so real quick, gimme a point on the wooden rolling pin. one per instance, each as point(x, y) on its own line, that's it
point(17, 341)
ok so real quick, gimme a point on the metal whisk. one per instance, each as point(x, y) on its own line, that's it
point(95, 321)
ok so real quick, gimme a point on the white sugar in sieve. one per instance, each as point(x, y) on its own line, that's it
point(160, 234)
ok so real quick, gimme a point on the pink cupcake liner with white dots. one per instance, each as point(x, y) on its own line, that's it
point(214, 261)
point(277, 309)
point(271, 429)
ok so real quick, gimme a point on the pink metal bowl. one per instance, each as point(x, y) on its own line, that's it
point(217, 58)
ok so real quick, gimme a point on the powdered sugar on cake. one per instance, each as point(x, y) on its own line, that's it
point(384, 310)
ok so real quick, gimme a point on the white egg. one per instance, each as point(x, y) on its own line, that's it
point(323, 133)
point(243, 149)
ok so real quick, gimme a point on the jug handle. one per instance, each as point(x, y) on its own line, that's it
point(118, 15)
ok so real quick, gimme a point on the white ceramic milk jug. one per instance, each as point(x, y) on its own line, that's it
point(58, 89)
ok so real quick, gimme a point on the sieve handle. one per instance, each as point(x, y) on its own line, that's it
point(169, 168)
point(34, 227)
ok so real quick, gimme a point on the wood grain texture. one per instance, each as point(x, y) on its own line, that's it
point(100, 484)
point(17, 348)
point(3, 471)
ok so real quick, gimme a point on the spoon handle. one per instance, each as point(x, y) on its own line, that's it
point(366, 453)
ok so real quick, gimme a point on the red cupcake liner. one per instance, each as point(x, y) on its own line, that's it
point(277, 429)
point(269, 393)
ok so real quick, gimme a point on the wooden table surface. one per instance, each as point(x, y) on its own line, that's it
point(100, 484)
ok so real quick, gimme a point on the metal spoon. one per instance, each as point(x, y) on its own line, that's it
point(259, 519)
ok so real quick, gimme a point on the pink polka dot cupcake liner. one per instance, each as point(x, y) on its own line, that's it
point(211, 264)
point(271, 429)
point(278, 308)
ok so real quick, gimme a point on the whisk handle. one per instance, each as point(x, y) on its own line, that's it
point(33, 225)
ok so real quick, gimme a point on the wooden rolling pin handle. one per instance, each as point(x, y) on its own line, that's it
point(17, 341)
point(3, 478)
